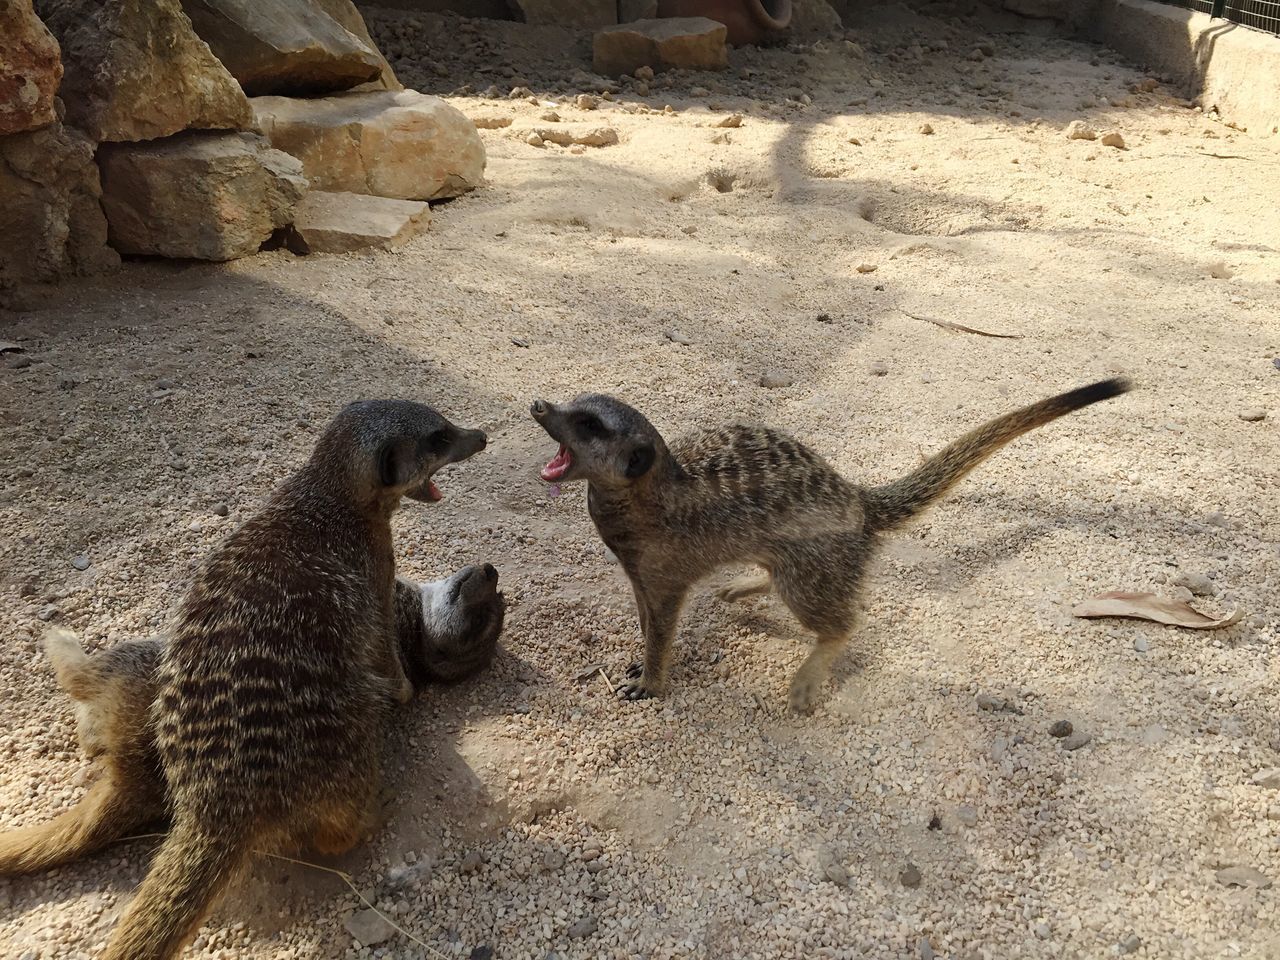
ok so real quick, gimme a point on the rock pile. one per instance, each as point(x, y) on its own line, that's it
point(132, 128)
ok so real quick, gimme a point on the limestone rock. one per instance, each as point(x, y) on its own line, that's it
point(51, 224)
point(202, 196)
point(136, 70)
point(30, 69)
point(289, 47)
point(401, 144)
point(1079, 130)
point(672, 43)
point(345, 12)
point(342, 222)
point(569, 13)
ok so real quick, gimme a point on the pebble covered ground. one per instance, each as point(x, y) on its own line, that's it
point(761, 244)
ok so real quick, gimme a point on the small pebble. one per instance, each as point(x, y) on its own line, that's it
point(675, 336)
point(926, 129)
point(80, 562)
point(581, 929)
point(867, 268)
point(1253, 415)
point(910, 876)
point(1129, 944)
point(1061, 728)
point(1042, 931)
point(483, 952)
point(878, 368)
point(1079, 130)
point(220, 510)
point(1112, 139)
point(368, 927)
point(1142, 644)
point(1076, 740)
point(775, 380)
point(1197, 583)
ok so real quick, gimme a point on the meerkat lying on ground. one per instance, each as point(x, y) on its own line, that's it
point(447, 630)
point(673, 514)
point(275, 688)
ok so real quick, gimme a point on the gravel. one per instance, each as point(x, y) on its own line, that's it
point(584, 257)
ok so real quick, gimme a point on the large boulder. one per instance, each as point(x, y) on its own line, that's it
point(342, 222)
point(30, 69)
point(345, 12)
point(569, 13)
point(51, 224)
point(202, 196)
point(289, 47)
point(401, 144)
point(670, 43)
point(136, 70)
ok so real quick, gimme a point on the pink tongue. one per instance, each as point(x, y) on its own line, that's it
point(558, 466)
point(433, 491)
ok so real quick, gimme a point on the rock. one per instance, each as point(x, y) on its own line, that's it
point(1268, 778)
point(345, 12)
point(1042, 931)
point(400, 144)
point(926, 129)
point(776, 380)
point(1075, 740)
point(471, 862)
point(51, 221)
point(569, 13)
point(966, 814)
point(534, 139)
point(925, 947)
point(813, 19)
point(30, 69)
point(675, 336)
point(673, 43)
point(368, 928)
point(287, 47)
point(1142, 645)
point(137, 71)
point(629, 10)
point(581, 929)
point(910, 876)
point(1243, 877)
point(1197, 583)
point(878, 368)
point(1112, 139)
point(1129, 944)
point(80, 562)
point(733, 120)
point(587, 101)
point(553, 860)
point(1079, 130)
point(220, 510)
point(1060, 728)
point(1220, 271)
point(200, 196)
point(866, 268)
point(1253, 415)
point(571, 136)
point(341, 222)
point(48, 612)
point(482, 952)
point(490, 123)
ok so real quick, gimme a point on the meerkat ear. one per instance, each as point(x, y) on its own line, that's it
point(640, 461)
point(399, 461)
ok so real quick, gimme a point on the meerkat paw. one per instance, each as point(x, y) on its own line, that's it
point(743, 587)
point(806, 691)
point(637, 689)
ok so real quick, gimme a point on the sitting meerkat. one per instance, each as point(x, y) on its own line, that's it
point(277, 683)
point(447, 630)
point(746, 494)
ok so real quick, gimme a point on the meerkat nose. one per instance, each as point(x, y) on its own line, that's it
point(538, 408)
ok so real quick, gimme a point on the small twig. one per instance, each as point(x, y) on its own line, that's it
point(340, 874)
point(949, 325)
point(1223, 156)
point(608, 682)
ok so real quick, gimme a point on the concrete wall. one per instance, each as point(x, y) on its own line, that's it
point(1227, 66)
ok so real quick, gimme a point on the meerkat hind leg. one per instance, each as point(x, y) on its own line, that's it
point(659, 614)
point(748, 585)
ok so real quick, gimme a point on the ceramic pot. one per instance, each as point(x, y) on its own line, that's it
point(748, 21)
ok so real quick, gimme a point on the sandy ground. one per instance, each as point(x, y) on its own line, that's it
point(906, 818)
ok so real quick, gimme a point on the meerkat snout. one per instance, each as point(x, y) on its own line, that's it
point(601, 440)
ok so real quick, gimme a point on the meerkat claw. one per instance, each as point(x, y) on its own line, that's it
point(635, 671)
point(634, 691)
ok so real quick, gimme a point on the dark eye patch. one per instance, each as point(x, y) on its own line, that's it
point(436, 442)
point(589, 425)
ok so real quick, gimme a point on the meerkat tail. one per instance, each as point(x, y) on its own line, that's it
point(101, 816)
point(186, 877)
point(70, 662)
point(891, 504)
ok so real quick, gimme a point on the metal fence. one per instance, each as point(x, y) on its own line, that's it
point(1259, 14)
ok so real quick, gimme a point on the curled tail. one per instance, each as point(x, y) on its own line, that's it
point(893, 503)
point(103, 815)
point(189, 872)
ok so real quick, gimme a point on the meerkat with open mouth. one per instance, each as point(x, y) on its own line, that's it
point(672, 514)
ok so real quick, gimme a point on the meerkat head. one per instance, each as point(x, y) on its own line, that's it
point(388, 449)
point(601, 440)
point(462, 617)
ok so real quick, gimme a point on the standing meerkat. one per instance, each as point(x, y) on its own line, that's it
point(746, 494)
point(446, 630)
point(277, 682)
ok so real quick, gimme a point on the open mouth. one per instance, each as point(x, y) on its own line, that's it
point(558, 466)
point(427, 492)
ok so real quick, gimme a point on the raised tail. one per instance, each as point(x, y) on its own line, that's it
point(189, 872)
point(103, 815)
point(893, 503)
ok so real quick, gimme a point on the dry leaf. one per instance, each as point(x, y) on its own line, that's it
point(1243, 877)
point(948, 324)
point(1149, 606)
point(587, 672)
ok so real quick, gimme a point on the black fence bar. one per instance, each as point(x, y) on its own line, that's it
point(1258, 14)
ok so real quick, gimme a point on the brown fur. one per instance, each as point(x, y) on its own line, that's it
point(447, 630)
point(745, 494)
point(277, 682)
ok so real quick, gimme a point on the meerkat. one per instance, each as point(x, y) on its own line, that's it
point(281, 670)
point(746, 494)
point(447, 630)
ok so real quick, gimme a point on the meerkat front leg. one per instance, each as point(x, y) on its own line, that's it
point(659, 614)
point(748, 585)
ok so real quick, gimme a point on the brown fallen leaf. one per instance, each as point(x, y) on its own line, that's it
point(1149, 606)
point(587, 672)
point(1243, 877)
point(950, 325)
